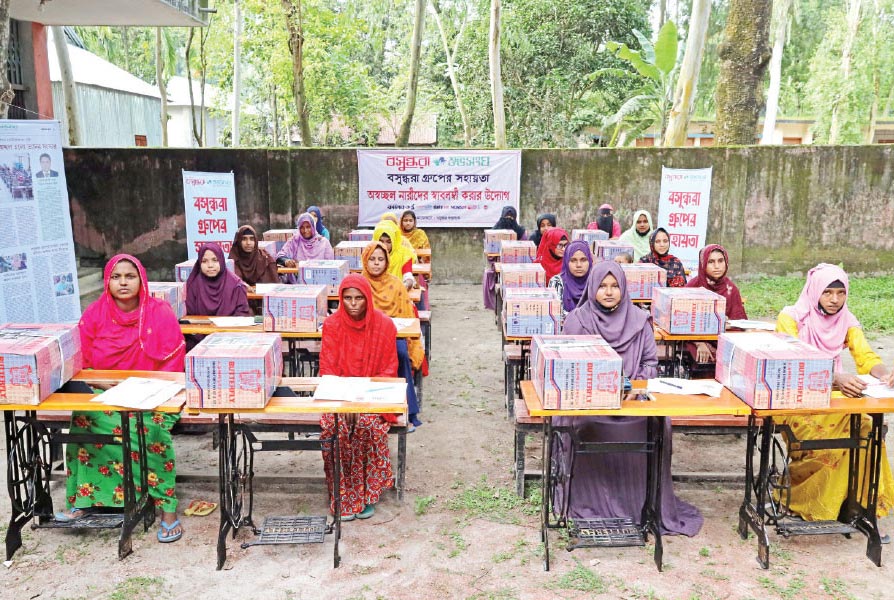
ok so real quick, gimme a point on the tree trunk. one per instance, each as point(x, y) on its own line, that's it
point(687, 82)
point(237, 71)
point(876, 76)
point(781, 16)
point(6, 93)
point(275, 116)
point(451, 55)
point(295, 23)
point(196, 128)
point(403, 134)
point(853, 26)
point(69, 91)
point(744, 55)
point(662, 12)
point(496, 76)
point(162, 86)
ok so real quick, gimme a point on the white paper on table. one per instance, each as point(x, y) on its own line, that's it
point(360, 389)
point(269, 288)
point(751, 324)
point(141, 393)
point(233, 321)
point(673, 385)
point(876, 389)
point(402, 323)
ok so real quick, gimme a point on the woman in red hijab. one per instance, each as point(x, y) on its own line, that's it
point(551, 250)
point(125, 328)
point(358, 341)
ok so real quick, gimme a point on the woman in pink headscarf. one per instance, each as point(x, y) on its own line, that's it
point(306, 244)
point(606, 222)
point(821, 318)
point(125, 328)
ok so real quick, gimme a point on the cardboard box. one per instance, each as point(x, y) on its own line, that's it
point(36, 360)
point(350, 251)
point(360, 235)
point(272, 248)
point(530, 311)
point(323, 272)
point(515, 252)
point(773, 370)
point(529, 275)
point(182, 270)
point(493, 237)
point(298, 308)
point(576, 372)
point(609, 249)
point(642, 278)
point(172, 292)
point(589, 235)
point(279, 235)
point(688, 311)
point(233, 370)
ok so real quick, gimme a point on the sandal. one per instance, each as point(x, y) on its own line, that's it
point(164, 532)
point(204, 509)
point(193, 507)
point(368, 511)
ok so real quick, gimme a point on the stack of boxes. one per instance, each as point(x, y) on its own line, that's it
point(269, 247)
point(182, 270)
point(493, 237)
point(609, 249)
point(530, 311)
point(350, 251)
point(642, 278)
point(233, 370)
point(323, 272)
point(279, 237)
point(524, 275)
point(576, 372)
point(296, 308)
point(360, 235)
point(688, 311)
point(589, 235)
point(174, 293)
point(515, 252)
point(772, 370)
point(36, 360)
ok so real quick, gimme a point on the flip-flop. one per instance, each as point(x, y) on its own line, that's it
point(368, 511)
point(193, 507)
point(204, 509)
point(166, 529)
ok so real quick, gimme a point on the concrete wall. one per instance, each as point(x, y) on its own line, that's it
point(776, 209)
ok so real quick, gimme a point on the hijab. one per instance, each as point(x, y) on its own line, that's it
point(826, 332)
point(536, 236)
point(315, 211)
point(639, 241)
point(222, 295)
point(148, 338)
point(253, 267)
point(622, 327)
point(509, 220)
point(416, 237)
point(676, 275)
point(573, 287)
point(605, 220)
point(399, 253)
point(723, 286)
point(546, 255)
point(299, 248)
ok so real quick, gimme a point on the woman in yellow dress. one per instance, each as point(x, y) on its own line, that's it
point(820, 317)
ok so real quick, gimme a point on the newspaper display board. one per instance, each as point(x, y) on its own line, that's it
point(210, 210)
point(683, 210)
point(445, 188)
point(38, 269)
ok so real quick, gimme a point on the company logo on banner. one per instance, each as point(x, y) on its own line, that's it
point(683, 210)
point(210, 210)
point(462, 188)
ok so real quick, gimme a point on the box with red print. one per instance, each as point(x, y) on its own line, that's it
point(576, 372)
point(36, 360)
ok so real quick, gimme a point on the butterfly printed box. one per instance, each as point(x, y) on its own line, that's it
point(576, 372)
point(36, 360)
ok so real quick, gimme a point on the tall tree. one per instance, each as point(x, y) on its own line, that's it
point(854, 8)
point(69, 90)
point(406, 124)
point(295, 22)
point(451, 70)
point(198, 122)
point(237, 72)
point(496, 75)
point(744, 55)
point(687, 80)
point(783, 12)
point(165, 58)
point(6, 93)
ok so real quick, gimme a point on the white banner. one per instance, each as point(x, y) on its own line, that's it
point(210, 210)
point(446, 188)
point(38, 269)
point(683, 211)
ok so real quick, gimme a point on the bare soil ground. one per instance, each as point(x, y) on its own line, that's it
point(460, 532)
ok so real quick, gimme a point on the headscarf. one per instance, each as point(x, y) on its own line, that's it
point(536, 236)
point(605, 220)
point(676, 275)
point(298, 248)
point(512, 223)
point(622, 327)
point(639, 241)
point(826, 332)
point(365, 348)
point(546, 256)
point(254, 267)
point(416, 237)
point(148, 338)
point(573, 287)
point(723, 286)
point(315, 211)
point(399, 253)
point(222, 295)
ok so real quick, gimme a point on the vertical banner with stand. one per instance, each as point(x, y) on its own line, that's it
point(210, 210)
point(683, 210)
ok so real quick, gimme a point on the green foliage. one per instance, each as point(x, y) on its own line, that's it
point(793, 589)
point(422, 504)
point(581, 579)
point(138, 588)
point(492, 503)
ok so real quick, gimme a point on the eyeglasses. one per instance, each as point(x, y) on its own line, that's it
point(562, 245)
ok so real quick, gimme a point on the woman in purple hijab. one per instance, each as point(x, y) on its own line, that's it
point(306, 244)
point(614, 485)
point(572, 281)
point(212, 290)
